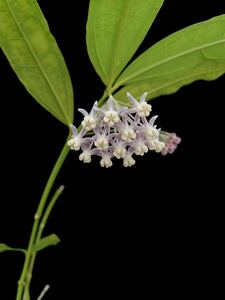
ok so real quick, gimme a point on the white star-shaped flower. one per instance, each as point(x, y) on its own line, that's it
point(77, 138)
point(90, 119)
point(142, 108)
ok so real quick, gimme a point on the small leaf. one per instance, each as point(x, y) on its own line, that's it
point(4, 247)
point(50, 240)
point(35, 57)
point(194, 53)
point(115, 29)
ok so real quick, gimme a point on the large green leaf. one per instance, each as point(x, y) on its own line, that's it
point(194, 53)
point(35, 57)
point(115, 29)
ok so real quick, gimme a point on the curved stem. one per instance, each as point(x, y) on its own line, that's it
point(16, 250)
point(41, 206)
point(48, 212)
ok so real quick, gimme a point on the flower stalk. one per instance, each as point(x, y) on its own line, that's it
point(26, 275)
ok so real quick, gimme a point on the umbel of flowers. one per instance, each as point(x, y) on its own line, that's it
point(120, 132)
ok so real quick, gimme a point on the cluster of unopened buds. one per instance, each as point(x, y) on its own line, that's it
point(115, 131)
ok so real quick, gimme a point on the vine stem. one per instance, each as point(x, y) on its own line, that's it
point(37, 229)
point(38, 214)
point(41, 227)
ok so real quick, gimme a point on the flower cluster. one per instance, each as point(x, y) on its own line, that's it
point(120, 132)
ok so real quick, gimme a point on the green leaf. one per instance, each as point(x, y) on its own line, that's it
point(35, 57)
point(194, 53)
point(4, 247)
point(115, 29)
point(50, 240)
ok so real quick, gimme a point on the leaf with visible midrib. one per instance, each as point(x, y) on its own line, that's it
point(35, 57)
point(115, 29)
point(196, 52)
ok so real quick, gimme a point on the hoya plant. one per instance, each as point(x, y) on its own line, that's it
point(121, 124)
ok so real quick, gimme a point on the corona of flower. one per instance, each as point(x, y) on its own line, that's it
point(112, 131)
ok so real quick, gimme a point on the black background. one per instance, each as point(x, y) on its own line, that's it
point(124, 231)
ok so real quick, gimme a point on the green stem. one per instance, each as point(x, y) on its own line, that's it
point(103, 98)
point(50, 182)
point(39, 235)
point(48, 212)
point(18, 250)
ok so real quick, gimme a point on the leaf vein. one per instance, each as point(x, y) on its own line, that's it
point(36, 58)
point(169, 59)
